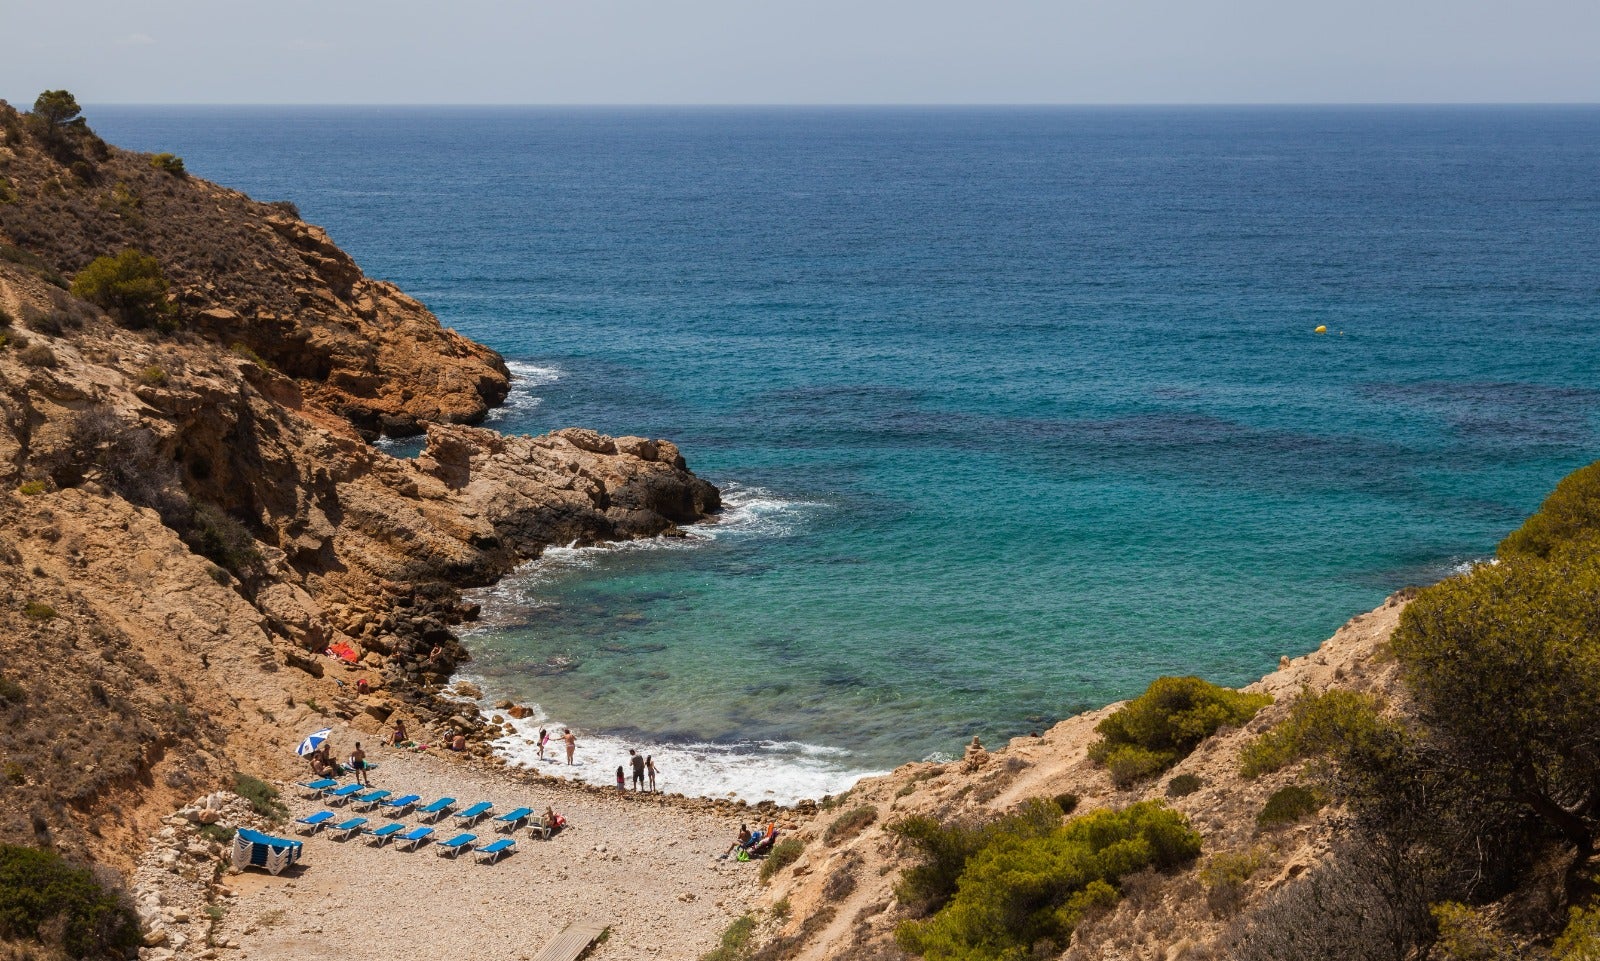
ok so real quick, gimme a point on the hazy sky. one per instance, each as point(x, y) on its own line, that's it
point(821, 51)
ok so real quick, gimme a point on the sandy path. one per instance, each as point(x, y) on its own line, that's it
point(647, 869)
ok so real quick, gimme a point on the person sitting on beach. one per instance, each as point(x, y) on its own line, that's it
point(550, 822)
point(744, 839)
point(762, 845)
point(399, 736)
point(458, 743)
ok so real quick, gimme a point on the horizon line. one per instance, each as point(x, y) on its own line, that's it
point(823, 105)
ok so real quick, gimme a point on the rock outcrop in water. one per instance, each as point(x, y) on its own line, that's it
point(190, 518)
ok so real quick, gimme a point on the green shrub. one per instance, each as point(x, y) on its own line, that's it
point(34, 488)
point(37, 355)
point(262, 796)
point(16, 774)
point(169, 163)
point(1224, 876)
point(1022, 895)
point(216, 832)
point(1466, 935)
point(8, 191)
point(944, 849)
point(219, 537)
point(37, 611)
point(130, 285)
point(1067, 802)
point(11, 692)
point(1502, 665)
point(243, 351)
point(784, 853)
point(735, 944)
point(1155, 730)
point(1183, 785)
point(1335, 721)
point(152, 376)
point(43, 897)
point(1569, 518)
point(849, 824)
point(1288, 805)
point(1581, 939)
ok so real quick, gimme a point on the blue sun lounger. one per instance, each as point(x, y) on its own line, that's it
point(402, 804)
point(412, 838)
point(380, 836)
point(345, 793)
point(455, 845)
point(493, 851)
point(312, 823)
point(437, 809)
point(372, 799)
point(509, 822)
point(319, 787)
point(348, 828)
point(474, 814)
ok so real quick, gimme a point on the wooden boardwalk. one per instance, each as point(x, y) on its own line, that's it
point(571, 942)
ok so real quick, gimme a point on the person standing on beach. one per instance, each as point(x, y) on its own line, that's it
point(358, 763)
point(622, 780)
point(650, 769)
point(571, 741)
point(637, 761)
point(544, 738)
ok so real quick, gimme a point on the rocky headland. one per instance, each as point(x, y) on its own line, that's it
point(194, 510)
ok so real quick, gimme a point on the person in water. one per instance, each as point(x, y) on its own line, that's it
point(650, 768)
point(544, 738)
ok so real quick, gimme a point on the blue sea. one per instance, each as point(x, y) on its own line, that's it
point(1014, 409)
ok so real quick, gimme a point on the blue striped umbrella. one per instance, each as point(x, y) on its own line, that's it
point(313, 741)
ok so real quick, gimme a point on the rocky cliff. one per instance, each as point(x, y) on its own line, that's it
point(192, 513)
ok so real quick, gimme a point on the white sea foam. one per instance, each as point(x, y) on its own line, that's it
point(781, 771)
point(526, 378)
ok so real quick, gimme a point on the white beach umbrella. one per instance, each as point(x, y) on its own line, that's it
point(313, 741)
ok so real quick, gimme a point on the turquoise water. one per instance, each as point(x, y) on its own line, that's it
point(1016, 409)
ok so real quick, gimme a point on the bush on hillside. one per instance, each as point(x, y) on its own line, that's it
point(1154, 731)
point(131, 286)
point(168, 163)
point(1505, 665)
point(43, 898)
point(849, 824)
point(262, 796)
point(1022, 894)
point(1569, 519)
point(944, 849)
point(784, 853)
point(1183, 785)
point(1288, 805)
point(217, 535)
point(1335, 721)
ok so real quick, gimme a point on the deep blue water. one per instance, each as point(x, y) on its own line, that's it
point(1017, 408)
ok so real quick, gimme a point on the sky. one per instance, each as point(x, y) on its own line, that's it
point(817, 52)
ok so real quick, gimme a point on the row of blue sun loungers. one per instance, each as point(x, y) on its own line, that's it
point(437, 810)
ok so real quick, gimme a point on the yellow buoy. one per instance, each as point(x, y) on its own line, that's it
point(1322, 329)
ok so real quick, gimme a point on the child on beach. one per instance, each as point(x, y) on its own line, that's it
point(544, 738)
point(650, 767)
point(622, 780)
